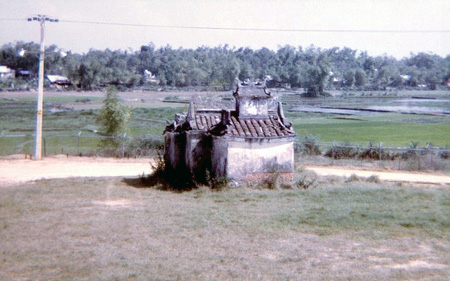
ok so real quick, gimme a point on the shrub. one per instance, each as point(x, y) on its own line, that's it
point(344, 150)
point(145, 147)
point(305, 183)
point(353, 178)
point(411, 152)
point(113, 118)
point(374, 152)
point(373, 179)
point(426, 162)
point(308, 145)
point(444, 153)
point(166, 178)
point(216, 183)
point(272, 182)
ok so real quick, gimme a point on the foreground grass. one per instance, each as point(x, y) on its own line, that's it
point(107, 229)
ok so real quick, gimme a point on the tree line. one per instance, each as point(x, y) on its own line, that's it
point(312, 68)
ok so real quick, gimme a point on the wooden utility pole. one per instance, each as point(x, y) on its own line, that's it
point(40, 100)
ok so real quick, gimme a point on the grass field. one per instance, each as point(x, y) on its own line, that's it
point(68, 113)
point(108, 229)
point(394, 130)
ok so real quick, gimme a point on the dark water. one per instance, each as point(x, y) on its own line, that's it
point(409, 106)
point(327, 110)
point(416, 106)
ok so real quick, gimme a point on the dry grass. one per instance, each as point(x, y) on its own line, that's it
point(106, 229)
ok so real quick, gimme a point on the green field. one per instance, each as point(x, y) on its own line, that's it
point(67, 114)
point(393, 130)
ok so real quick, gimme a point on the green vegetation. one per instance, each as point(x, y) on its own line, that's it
point(149, 119)
point(109, 229)
point(314, 69)
point(63, 124)
point(399, 132)
point(113, 118)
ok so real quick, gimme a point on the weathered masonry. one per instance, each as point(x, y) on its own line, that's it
point(249, 143)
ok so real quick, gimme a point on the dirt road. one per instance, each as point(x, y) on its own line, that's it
point(385, 176)
point(17, 169)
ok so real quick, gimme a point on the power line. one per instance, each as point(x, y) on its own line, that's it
point(259, 29)
point(11, 19)
point(252, 29)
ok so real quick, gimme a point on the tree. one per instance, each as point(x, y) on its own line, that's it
point(230, 73)
point(113, 118)
point(318, 72)
point(218, 67)
point(349, 77)
point(360, 78)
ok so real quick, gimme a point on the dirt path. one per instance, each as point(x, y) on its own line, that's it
point(17, 169)
point(385, 176)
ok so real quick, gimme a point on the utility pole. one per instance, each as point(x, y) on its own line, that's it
point(40, 100)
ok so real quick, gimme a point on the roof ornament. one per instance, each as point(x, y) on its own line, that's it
point(282, 118)
point(179, 124)
point(221, 128)
point(247, 83)
point(188, 123)
point(236, 93)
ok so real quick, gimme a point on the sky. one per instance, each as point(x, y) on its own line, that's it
point(86, 24)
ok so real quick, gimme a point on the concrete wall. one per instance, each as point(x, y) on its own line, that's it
point(174, 151)
point(198, 154)
point(253, 156)
point(219, 157)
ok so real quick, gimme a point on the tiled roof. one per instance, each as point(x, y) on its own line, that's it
point(266, 127)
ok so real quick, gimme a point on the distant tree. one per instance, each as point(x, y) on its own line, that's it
point(349, 77)
point(113, 117)
point(360, 78)
point(318, 72)
point(230, 73)
point(217, 67)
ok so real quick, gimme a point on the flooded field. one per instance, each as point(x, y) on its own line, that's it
point(358, 118)
point(365, 106)
point(416, 106)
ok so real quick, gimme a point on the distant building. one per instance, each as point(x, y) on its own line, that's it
point(6, 72)
point(249, 143)
point(24, 74)
point(59, 81)
point(278, 84)
point(150, 78)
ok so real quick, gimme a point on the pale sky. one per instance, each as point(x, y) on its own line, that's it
point(410, 15)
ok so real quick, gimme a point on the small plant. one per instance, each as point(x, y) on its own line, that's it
point(444, 153)
point(167, 178)
point(412, 151)
point(272, 181)
point(375, 152)
point(145, 147)
point(373, 179)
point(344, 150)
point(353, 178)
point(218, 183)
point(304, 183)
point(308, 145)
